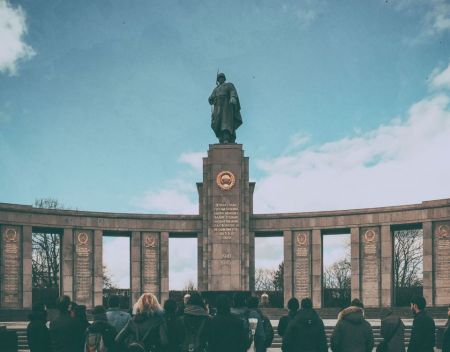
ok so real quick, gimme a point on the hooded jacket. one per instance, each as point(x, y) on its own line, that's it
point(352, 332)
point(392, 328)
point(305, 333)
point(194, 321)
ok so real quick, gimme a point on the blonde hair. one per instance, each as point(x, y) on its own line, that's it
point(147, 303)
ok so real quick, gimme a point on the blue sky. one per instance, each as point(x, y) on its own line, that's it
point(103, 105)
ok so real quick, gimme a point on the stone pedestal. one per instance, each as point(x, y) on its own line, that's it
point(225, 196)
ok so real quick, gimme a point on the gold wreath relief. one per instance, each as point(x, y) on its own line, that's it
point(225, 180)
point(369, 236)
point(150, 241)
point(83, 238)
point(301, 239)
point(11, 235)
point(443, 231)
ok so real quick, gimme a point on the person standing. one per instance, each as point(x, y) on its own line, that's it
point(145, 331)
point(263, 335)
point(352, 331)
point(392, 331)
point(65, 330)
point(173, 326)
point(423, 330)
point(293, 306)
point(100, 334)
point(446, 336)
point(38, 335)
point(305, 332)
point(114, 315)
point(226, 332)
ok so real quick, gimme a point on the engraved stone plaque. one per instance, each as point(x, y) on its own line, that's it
point(84, 267)
point(150, 262)
point(11, 267)
point(370, 266)
point(302, 258)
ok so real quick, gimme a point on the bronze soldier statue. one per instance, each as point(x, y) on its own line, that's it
point(226, 115)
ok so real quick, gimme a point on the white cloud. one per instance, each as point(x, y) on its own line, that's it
point(335, 248)
point(405, 161)
point(12, 30)
point(182, 262)
point(268, 252)
point(194, 160)
point(441, 79)
point(174, 201)
point(116, 258)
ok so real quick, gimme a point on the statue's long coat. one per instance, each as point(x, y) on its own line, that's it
point(225, 116)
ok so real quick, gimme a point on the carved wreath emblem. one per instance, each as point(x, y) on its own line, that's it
point(11, 235)
point(225, 180)
point(369, 236)
point(150, 242)
point(301, 239)
point(83, 238)
point(443, 231)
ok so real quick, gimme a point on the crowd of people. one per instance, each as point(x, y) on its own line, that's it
point(188, 327)
point(193, 327)
point(303, 330)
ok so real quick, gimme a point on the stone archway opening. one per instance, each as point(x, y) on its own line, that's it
point(407, 263)
point(116, 259)
point(46, 265)
point(269, 269)
point(336, 269)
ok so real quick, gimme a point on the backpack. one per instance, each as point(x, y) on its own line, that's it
point(268, 331)
point(138, 345)
point(192, 341)
point(94, 342)
point(243, 317)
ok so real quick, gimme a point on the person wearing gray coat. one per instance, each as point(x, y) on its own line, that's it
point(393, 331)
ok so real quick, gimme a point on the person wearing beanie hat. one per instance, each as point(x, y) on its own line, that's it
point(100, 332)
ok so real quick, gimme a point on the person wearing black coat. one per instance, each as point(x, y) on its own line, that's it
point(102, 327)
point(423, 330)
point(446, 336)
point(65, 330)
point(146, 326)
point(38, 335)
point(173, 326)
point(293, 306)
point(352, 332)
point(226, 332)
point(306, 332)
point(392, 331)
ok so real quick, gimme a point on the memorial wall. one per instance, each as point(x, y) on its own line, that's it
point(225, 228)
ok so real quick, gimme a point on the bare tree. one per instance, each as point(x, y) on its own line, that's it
point(264, 279)
point(278, 278)
point(108, 283)
point(189, 286)
point(338, 275)
point(408, 258)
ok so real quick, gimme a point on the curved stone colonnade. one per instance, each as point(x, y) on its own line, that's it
point(81, 244)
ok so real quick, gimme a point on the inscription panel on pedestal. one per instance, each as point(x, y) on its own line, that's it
point(11, 256)
point(302, 266)
point(150, 262)
point(370, 256)
point(84, 267)
point(442, 262)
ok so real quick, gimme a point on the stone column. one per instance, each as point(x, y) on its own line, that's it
point(135, 253)
point(302, 263)
point(83, 269)
point(370, 266)
point(317, 292)
point(98, 267)
point(289, 267)
point(27, 290)
point(428, 284)
point(67, 262)
point(251, 259)
point(386, 266)
point(355, 263)
point(164, 262)
point(11, 267)
point(442, 263)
